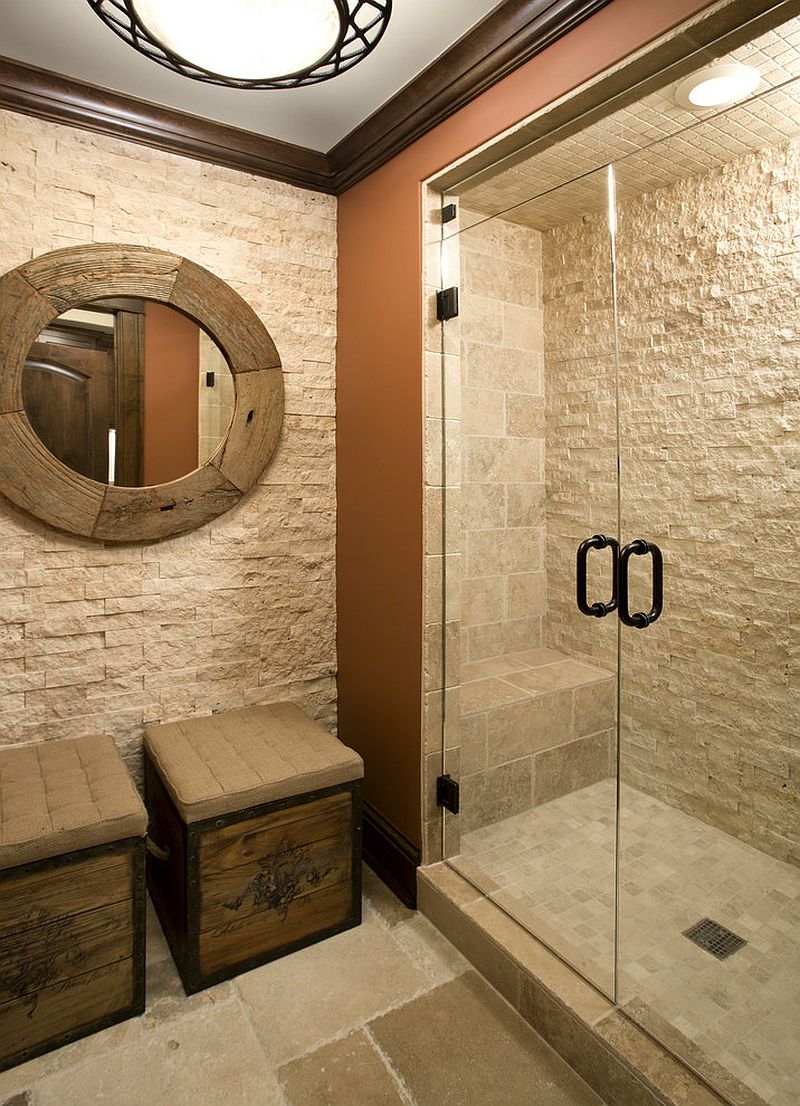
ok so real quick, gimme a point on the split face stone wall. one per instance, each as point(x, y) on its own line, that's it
point(709, 332)
point(242, 611)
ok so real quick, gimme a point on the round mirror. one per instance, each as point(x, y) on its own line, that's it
point(128, 391)
point(140, 395)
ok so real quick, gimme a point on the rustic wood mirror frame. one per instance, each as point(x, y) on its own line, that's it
point(32, 295)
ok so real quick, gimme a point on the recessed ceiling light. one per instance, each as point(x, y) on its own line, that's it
point(717, 86)
point(250, 43)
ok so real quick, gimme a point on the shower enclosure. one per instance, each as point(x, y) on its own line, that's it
point(620, 553)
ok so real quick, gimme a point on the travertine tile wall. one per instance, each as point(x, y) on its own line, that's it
point(243, 610)
point(504, 589)
point(710, 397)
point(485, 432)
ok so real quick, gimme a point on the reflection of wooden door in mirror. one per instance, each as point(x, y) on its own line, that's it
point(68, 393)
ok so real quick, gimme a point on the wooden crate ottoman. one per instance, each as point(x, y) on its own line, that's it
point(72, 894)
point(255, 817)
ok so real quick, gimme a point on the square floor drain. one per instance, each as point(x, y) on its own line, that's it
point(714, 938)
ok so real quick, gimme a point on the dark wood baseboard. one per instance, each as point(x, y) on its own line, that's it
point(391, 855)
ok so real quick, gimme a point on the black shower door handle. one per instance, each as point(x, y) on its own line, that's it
point(640, 548)
point(596, 610)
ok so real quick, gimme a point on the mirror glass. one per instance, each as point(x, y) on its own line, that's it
point(128, 391)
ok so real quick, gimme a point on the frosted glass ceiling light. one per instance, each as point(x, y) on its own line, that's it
point(717, 86)
point(250, 43)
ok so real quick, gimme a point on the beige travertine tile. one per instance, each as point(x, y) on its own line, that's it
point(474, 734)
point(484, 506)
point(432, 953)
point(522, 326)
point(492, 666)
point(442, 897)
point(490, 552)
point(572, 766)
point(177, 1064)
point(502, 369)
point(510, 282)
point(560, 674)
point(595, 707)
point(483, 600)
point(483, 411)
point(525, 502)
point(535, 658)
point(498, 792)
point(322, 991)
point(481, 318)
point(526, 594)
point(435, 723)
point(482, 695)
point(349, 1070)
point(462, 1044)
point(525, 416)
point(503, 460)
point(528, 727)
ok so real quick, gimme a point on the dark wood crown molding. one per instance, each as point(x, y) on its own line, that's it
point(507, 37)
point(33, 91)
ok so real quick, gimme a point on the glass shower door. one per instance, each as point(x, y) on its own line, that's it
point(709, 341)
point(531, 500)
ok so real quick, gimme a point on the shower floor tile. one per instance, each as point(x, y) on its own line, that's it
point(552, 869)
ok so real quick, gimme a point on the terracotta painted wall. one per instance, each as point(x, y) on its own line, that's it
point(379, 401)
point(171, 384)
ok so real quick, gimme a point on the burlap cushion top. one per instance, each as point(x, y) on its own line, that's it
point(220, 763)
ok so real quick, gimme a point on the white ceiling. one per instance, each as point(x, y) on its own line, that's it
point(65, 36)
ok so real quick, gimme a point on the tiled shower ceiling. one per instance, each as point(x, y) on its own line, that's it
point(638, 139)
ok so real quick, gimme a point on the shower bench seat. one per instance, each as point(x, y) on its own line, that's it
point(256, 823)
point(72, 896)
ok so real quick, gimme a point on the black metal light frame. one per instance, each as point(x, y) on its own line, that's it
point(362, 25)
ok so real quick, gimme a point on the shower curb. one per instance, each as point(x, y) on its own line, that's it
point(618, 1059)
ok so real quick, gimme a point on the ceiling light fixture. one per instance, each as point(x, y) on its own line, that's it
point(717, 86)
point(254, 44)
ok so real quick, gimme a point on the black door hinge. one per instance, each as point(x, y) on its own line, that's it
point(447, 793)
point(446, 304)
point(449, 212)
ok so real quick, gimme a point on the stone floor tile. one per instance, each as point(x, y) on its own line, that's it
point(461, 1043)
point(346, 1071)
point(209, 1058)
point(429, 950)
point(166, 1000)
point(304, 1000)
point(383, 900)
